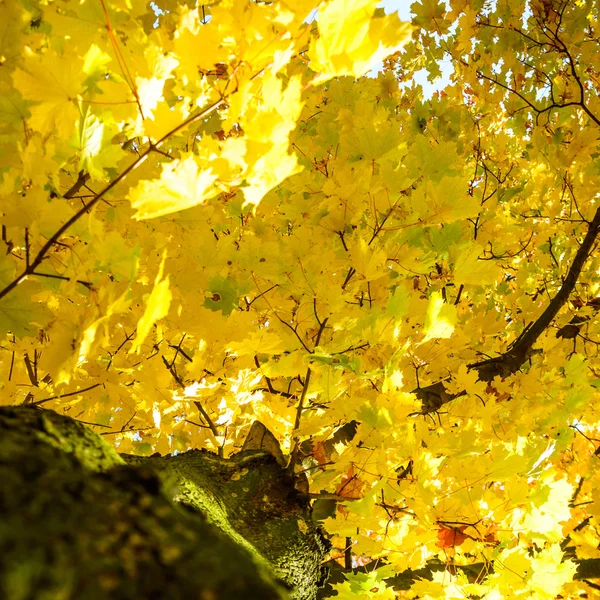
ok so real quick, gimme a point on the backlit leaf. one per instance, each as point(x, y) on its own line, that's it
point(157, 307)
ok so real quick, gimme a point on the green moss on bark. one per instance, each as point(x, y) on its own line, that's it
point(250, 497)
point(76, 521)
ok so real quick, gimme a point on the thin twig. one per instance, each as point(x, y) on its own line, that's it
point(123, 431)
point(41, 255)
point(270, 389)
point(90, 424)
point(12, 364)
point(127, 338)
point(294, 453)
point(74, 189)
point(30, 370)
point(173, 372)
point(86, 284)
point(210, 424)
point(249, 304)
point(27, 246)
point(59, 396)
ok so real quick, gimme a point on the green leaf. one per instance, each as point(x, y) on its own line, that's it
point(224, 294)
point(20, 315)
point(398, 302)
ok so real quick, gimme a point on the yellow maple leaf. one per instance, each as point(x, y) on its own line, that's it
point(351, 41)
point(512, 572)
point(93, 142)
point(268, 114)
point(54, 84)
point(259, 342)
point(198, 45)
point(468, 381)
point(549, 508)
point(182, 184)
point(269, 169)
point(594, 508)
point(62, 361)
point(164, 119)
point(550, 572)
point(469, 269)
point(368, 261)
point(448, 201)
point(586, 542)
point(428, 11)
point(95, 60)
point(150, 89)
point(157, 307)
point(20, 315)
point(39, 165)
point(90, 338)
point(440, 318)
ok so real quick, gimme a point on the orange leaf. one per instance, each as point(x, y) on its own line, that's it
point(350, 486)
point(449, 537)
point(318, 453)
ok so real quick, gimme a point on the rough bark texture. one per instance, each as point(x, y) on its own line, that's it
point(79, 521)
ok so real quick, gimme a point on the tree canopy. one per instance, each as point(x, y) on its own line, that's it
point(215, 214)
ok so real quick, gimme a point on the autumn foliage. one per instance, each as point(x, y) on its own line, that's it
point(221, 213)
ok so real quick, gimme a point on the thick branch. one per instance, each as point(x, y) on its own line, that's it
point(80, 521)
point(210, 423)
point(511, 361)
point(435, 395)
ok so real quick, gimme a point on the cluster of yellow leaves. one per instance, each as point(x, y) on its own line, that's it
point(248, 216)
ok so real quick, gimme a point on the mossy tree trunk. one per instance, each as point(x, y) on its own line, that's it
point(77, 520)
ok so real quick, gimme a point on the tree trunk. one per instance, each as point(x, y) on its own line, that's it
point(77, 520)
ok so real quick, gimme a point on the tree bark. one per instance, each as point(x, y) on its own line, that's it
point(77, 520)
